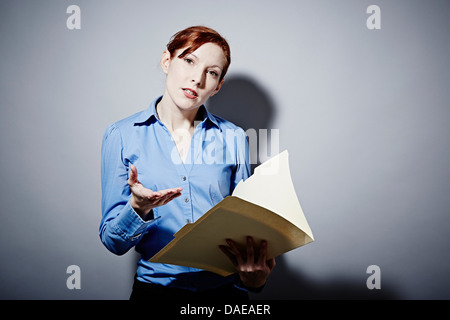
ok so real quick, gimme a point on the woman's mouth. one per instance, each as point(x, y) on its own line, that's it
point(189, 93)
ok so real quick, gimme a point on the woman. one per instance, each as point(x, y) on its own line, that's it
point(166, 166)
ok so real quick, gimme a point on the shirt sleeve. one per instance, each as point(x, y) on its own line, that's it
point(121, 227)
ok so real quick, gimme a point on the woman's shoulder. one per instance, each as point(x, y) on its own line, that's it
point(140, 117)
point(123, 126)
point(131, 120)
point(225, 124)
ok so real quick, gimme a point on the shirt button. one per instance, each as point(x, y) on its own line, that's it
point(183, 178)
point(186, 200)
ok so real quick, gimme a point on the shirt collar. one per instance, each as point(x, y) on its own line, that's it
point(150, 116)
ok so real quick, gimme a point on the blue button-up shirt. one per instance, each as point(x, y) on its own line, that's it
point(217, 160)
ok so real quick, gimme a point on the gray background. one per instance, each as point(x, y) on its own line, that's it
point(364, 114)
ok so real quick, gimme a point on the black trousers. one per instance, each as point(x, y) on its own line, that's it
point(150, 291)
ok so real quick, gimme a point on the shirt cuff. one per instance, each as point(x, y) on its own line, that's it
point(130, 225)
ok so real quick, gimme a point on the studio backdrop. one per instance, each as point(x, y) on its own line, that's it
point(356, 91)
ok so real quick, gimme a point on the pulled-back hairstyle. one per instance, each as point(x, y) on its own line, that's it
point(193, 37)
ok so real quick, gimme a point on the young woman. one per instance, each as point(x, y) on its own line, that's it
point(168, 165)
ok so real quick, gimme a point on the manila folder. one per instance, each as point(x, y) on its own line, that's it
point(265, 206)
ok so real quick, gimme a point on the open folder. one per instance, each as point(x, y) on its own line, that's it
point(265, 206)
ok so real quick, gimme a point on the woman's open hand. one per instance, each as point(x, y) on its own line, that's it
point(143, 200)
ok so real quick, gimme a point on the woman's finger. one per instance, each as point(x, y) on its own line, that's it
point(171, 197)
point(230, 255)
point(169, 192)
point(236, 252)
point(271, 264)
point(138, 189)
point(250, 250)
point(132, 179)
point(165, 198)
point(262, 252)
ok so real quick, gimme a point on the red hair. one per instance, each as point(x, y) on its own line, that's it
point(193, 37)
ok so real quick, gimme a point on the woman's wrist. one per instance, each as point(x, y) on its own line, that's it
point(141, 212)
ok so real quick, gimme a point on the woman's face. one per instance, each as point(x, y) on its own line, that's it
point(191, 80)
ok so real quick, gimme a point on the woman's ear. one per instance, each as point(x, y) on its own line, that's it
point(218, 87)
point(165, 61)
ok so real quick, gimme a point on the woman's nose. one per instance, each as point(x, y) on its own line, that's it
point(198, 78)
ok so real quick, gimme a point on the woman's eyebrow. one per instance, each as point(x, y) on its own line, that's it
point(191, 54)
point(216, 66)
point(213, 66)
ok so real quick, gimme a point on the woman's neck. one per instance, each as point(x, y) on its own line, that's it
point(180, 124)
point(173, 117)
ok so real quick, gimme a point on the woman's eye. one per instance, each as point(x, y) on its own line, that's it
point(188, 60)
point(213, 73)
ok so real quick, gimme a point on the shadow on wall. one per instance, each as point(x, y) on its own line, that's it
point(242, 101)
point(284, 284)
